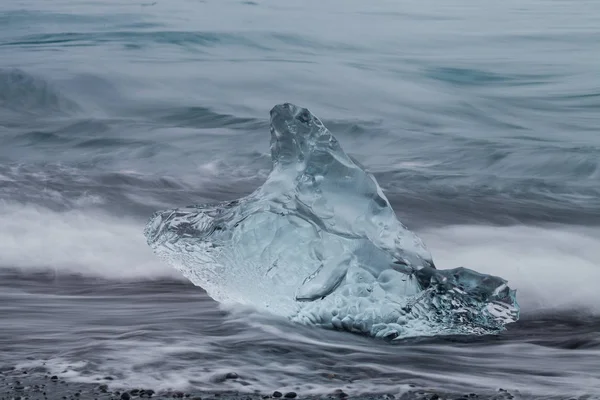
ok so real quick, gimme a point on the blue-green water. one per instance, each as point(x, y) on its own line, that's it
point(480, 120)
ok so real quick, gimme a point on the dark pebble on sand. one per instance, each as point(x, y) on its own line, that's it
point(109, 378)
point(434, 397)
point(231, 375)
point(103, 388)
point(54, 378)
point(134, 392)
point(147, 393)
point(290, 395)
point(125, 396)
point(277, 394)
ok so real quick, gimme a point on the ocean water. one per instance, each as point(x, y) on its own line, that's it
point(481, 121)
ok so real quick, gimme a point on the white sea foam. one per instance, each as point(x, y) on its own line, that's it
point(552, 268)
point(80, 242)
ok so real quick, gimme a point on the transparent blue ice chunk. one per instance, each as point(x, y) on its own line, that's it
point(320, 244)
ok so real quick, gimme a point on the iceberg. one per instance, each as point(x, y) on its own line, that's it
point(319, 243)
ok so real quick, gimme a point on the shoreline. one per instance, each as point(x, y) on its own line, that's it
point(35, 384)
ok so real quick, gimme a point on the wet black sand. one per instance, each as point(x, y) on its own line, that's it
point(38, 384)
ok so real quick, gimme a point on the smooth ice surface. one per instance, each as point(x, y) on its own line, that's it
point(319, 243)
